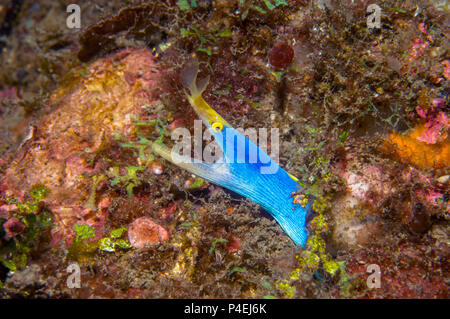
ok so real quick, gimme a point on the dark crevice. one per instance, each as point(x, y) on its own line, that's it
point(7, 24)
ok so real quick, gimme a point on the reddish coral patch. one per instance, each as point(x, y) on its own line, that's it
point(234, 244)
point(13, 227)
point(281, 56)
point(145, 232)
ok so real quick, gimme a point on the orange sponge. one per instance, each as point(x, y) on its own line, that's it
point(408, 149)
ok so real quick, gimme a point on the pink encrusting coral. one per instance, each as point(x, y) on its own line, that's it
point(371, 189)
point(13, 227)
point(419, 45)
point(10, 93)
point(436, 129)
point(82, 117)
point(368, 183)
point(371, 183)
point(417, 48)
point(446, 65)
point(144, 232)
point(437, 122)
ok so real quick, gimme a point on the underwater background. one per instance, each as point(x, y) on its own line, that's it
point(359, 93)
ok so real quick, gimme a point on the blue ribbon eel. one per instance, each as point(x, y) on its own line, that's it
point(258, 177)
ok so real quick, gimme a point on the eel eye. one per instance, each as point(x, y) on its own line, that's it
point(217, 127)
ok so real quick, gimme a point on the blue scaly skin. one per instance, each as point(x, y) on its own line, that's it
point(256, 177)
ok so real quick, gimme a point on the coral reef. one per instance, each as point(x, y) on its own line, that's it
point(78, 127)
point(362, 115)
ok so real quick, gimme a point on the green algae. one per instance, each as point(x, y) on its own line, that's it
point(215, 242)
point(15, 252)
point(84, 246)
point(114, 241)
